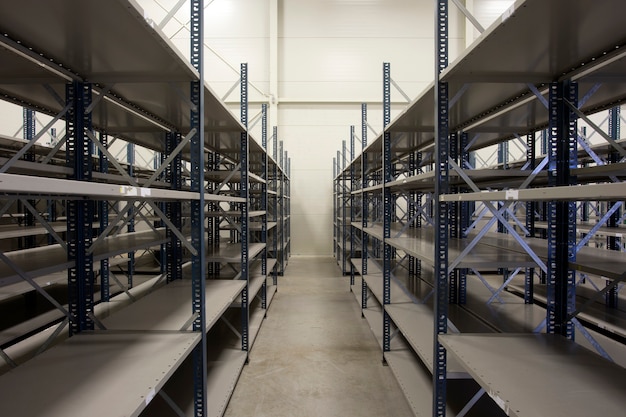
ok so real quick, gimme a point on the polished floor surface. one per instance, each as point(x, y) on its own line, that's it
point(314, 355)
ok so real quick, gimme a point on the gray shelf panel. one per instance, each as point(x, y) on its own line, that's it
point(543, 60)
point(19, 286)
point(234, 177)
point(255, 284)
point(356, 289)
point(223, 375)
point(153, 82)
point(415, 382)
point(11, 145)
point(509, 316)
point(374, 282)
point(600, 173)
point(36, 262)
point(420, 244)
point(374, 319)
point(168, 308)
point(129, 242)
point(231, 252)
point(143, 362)
point(513, 316)
point(58, 171)
point(252, 213)
point(29, 326)
point(518, 370)
point(21, 167)
point(271, 264)
point(416, 322)
point(586, 227)
point(483, 177)
point(598, 315)
point(24, 186)
point(595, 192)
point(225, 364)
point(546, 56)
point(44, 320)
point(610, 264)
point(254, 324)
point(101, 46)
point(15, 231)
point(271, 292)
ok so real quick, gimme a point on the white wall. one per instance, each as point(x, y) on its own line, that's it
point(329, 59)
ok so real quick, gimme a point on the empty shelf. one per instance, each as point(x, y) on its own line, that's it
point(231, 252)
point(224, 367)
point(374, 282)
point(416, 322)
point(533, 375)
point(420, 244)
point(168, 308)
point(600, 192)
point(256, 282)
point(77, 377)
point(25, 185)
point(415, 382)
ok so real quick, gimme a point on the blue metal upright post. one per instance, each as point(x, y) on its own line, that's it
point(529, 273)
point(364, 206)
point(351, 200)
point(159, 223)
point(130, 158)
point(174, 248)
point(441, 209)
point(281, 243)
point(276, 202)
point(465, 216)
point(104, 222)
point(198, 261)
point(264, 204)
point(613, 242)
point(453, 219)
point(79, 212)
point(245, 217)
point(387, 207)
point(344, 211)
point(29, 134)
point(563, 155)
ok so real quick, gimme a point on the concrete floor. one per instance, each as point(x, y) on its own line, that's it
point(314, 355)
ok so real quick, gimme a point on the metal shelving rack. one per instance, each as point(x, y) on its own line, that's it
point(154, 355)
point(435, 295)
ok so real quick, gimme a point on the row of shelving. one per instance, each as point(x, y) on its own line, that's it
point(486, 284)
point(166, 271)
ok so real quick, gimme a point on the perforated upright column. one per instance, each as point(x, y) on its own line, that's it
point(198, 261)
point(130, 158)
point(440, 209)
point(80, 213)
point(29, 134)
point(104, 222)
point(174, 248)
point(529, 273)
point(364, 206)
point(387, 207)
point(245, 216)
point(561, 214)
point(613, 242)
point(264, 204)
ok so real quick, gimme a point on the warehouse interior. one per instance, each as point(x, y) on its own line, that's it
point(291, 207)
